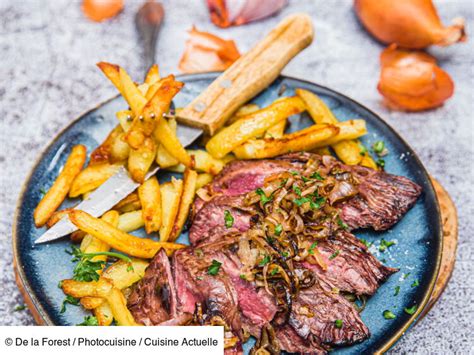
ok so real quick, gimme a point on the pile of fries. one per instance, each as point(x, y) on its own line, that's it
point(146, 135)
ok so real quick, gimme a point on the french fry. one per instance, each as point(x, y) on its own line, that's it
point(252, 126)
point(91, 244)
point(187, 198)
point(205, 162)
point(103, 152)
point(165, 136)
point(117, 239)
point(202, 180)
point(57, 216)
point(163, 158)
point(64, 182)
point(305, 139)
point(243, 111)
point(119, 150)
point(112, 72)
point(104, 314)
point(276, 131)
point(92, 177)
point(131, 221)
point(140, 160)
point(368, 162)
point(125, 119)
point(102, 288)
point(322, 151)
point(131, 94)
point(348, 152)
point(170, 199)
point(153, 75)
point(77, 236)
point(150, 198)
point(128, 204)
point(310, 138)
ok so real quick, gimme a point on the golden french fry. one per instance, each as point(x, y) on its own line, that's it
point(318, 110)
point(150, 198)
point(125, 119)
point(187, 198)
point(205, 162)
point(348, 152)
point(104, 314)
point(276, 131)
point(163, 158)
point(170, 198)
point(252, 125)
point(77, 236)
point(322, 151)
point(202, 180)
point(143, 88)
point(305, 139)
point(131, 221)
point(119, 150)
point(57, 216)
point(103, 152)
point(243, 111)
point(90, 302)
point(368, 162)
point(128, 204)
point(153, 75)
point(64, 182)
point(112, 72)
point(165, 136)
point(102, 288)
point(131, 94)
point(348, 130)
point(92, 177)
point(140, 160)
point(117, 239)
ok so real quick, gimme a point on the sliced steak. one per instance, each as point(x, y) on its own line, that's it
point(315, 313)
point(291, 342)
point(153, 301)
point(382, 200)
point(350, 266)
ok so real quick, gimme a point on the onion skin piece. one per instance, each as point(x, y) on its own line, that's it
point(100, 10)
point(413, 24)
point(412, 81)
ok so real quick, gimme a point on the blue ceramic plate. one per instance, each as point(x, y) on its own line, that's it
point(418, 235)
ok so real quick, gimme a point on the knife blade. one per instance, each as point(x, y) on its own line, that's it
point(244, 79)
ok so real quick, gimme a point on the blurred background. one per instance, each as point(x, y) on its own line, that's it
point(48, 78)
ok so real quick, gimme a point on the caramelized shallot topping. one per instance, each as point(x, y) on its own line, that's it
point(100, 10)
point(412, 81)
point(207, 52)
point(408, 23)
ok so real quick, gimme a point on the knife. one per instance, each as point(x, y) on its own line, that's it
point(243, 80)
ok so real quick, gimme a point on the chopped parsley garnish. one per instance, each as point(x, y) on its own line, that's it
point(69, 300)
point(301, 201)
point(243, 277)
point(380, 163)
point(397, 291)
point(366, 242)
point(297, 190)
point(317, 202)
point(389, 314)
point(384, 245)
point(285, 254)
point(229, 220)
point(363, 150)
point(405, 276)
point(214, 268)
point(293, 172)
point(43, 191)
point(264, 261)
point(89, 321)
point(263, 198)
point(334, 255)
point(274, 271)
point(411, 310)
point(304, 178)
point(311, 248)
point(283, 182)
point(19, 308)
point(341, 224)
point(317, 176)
point(415, 283)
point(338, 323)
point(278, 229)
point(378, 147)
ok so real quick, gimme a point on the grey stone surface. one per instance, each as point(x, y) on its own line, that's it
point(48, 77)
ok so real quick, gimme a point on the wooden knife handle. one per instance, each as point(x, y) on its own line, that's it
point(249, 75)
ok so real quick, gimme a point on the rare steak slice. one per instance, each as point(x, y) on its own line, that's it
point(382, 200)
point(349, 266)
point(291, 342)
point(153, 301)
point(323, 314)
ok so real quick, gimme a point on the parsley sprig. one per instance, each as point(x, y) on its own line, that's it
point(89, 321)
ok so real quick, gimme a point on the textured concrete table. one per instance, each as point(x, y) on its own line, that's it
point(48, 77)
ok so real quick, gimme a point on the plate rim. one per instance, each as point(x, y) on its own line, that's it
point(41, 316)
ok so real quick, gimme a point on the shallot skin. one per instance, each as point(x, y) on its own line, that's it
point(412, 81)
point(413, 24)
